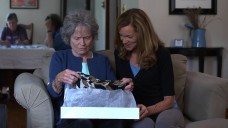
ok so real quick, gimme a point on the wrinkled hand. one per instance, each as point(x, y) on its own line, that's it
point(143, 111)
point(68, 77)
point(129, 83)
point(18, 41)
point(8, 44)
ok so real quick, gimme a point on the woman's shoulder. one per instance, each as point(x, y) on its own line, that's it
point(163, 50)
point(163, 53)
point(5, 29)
point(99, 55)
point(57, 33)
point(63, 56)
point(62, 53)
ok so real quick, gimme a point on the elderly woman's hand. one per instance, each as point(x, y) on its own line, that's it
point(67, 77)
point(129, 83)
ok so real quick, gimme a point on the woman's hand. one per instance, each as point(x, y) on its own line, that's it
point(7, 43)
point(129, 83)
point(67, 77)
point(49, 25)
point(143, 111)
point(18, 42)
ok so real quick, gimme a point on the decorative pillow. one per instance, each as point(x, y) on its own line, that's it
point(180, 74)
point(43, 72)
point(110, 55)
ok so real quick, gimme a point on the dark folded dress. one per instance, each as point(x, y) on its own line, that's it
point(89, 81)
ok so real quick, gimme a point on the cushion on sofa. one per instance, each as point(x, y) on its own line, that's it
point(210, 123)
point(43, 72)
point(212, 92)
point(110, 55)
point(180, 74)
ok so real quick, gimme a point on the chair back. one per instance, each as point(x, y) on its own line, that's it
point(29, 29)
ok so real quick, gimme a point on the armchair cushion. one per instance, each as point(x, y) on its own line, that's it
point(110, 56)
point(210, 123)
point(43, 72)
point(180, 73)
point(206, 96)
point(30, 92)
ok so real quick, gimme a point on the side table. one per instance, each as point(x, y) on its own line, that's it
point(201, 53)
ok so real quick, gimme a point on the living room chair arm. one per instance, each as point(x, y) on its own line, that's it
point(210, 123)
point(31, 93)
point(206, 96)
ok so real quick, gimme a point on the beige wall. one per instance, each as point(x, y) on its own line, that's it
point(170, 27)
point(167, 26)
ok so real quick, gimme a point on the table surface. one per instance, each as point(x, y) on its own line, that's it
point(24, 57)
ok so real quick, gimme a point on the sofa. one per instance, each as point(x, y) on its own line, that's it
point(202, 98)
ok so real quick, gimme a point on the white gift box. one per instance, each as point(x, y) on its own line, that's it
point(99, 113)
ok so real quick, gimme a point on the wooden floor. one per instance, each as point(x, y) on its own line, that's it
point(16, 114)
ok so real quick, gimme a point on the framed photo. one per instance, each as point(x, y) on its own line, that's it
point(178, 43)
point(177, 7)
point(24, 4)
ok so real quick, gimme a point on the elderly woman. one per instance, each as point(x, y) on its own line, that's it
point(79, 31)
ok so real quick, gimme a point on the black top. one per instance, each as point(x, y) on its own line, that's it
point(151, 85)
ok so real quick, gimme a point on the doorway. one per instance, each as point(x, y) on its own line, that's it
point(104, 14)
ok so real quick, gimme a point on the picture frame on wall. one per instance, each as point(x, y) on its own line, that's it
point(178, 43)
point(24, 4)
point(177, 7)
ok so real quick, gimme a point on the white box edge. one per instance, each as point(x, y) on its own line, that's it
point(99, 113)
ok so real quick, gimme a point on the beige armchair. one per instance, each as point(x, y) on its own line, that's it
point(202, 98)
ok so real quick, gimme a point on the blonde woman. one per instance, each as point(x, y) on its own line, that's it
point(141, 55)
